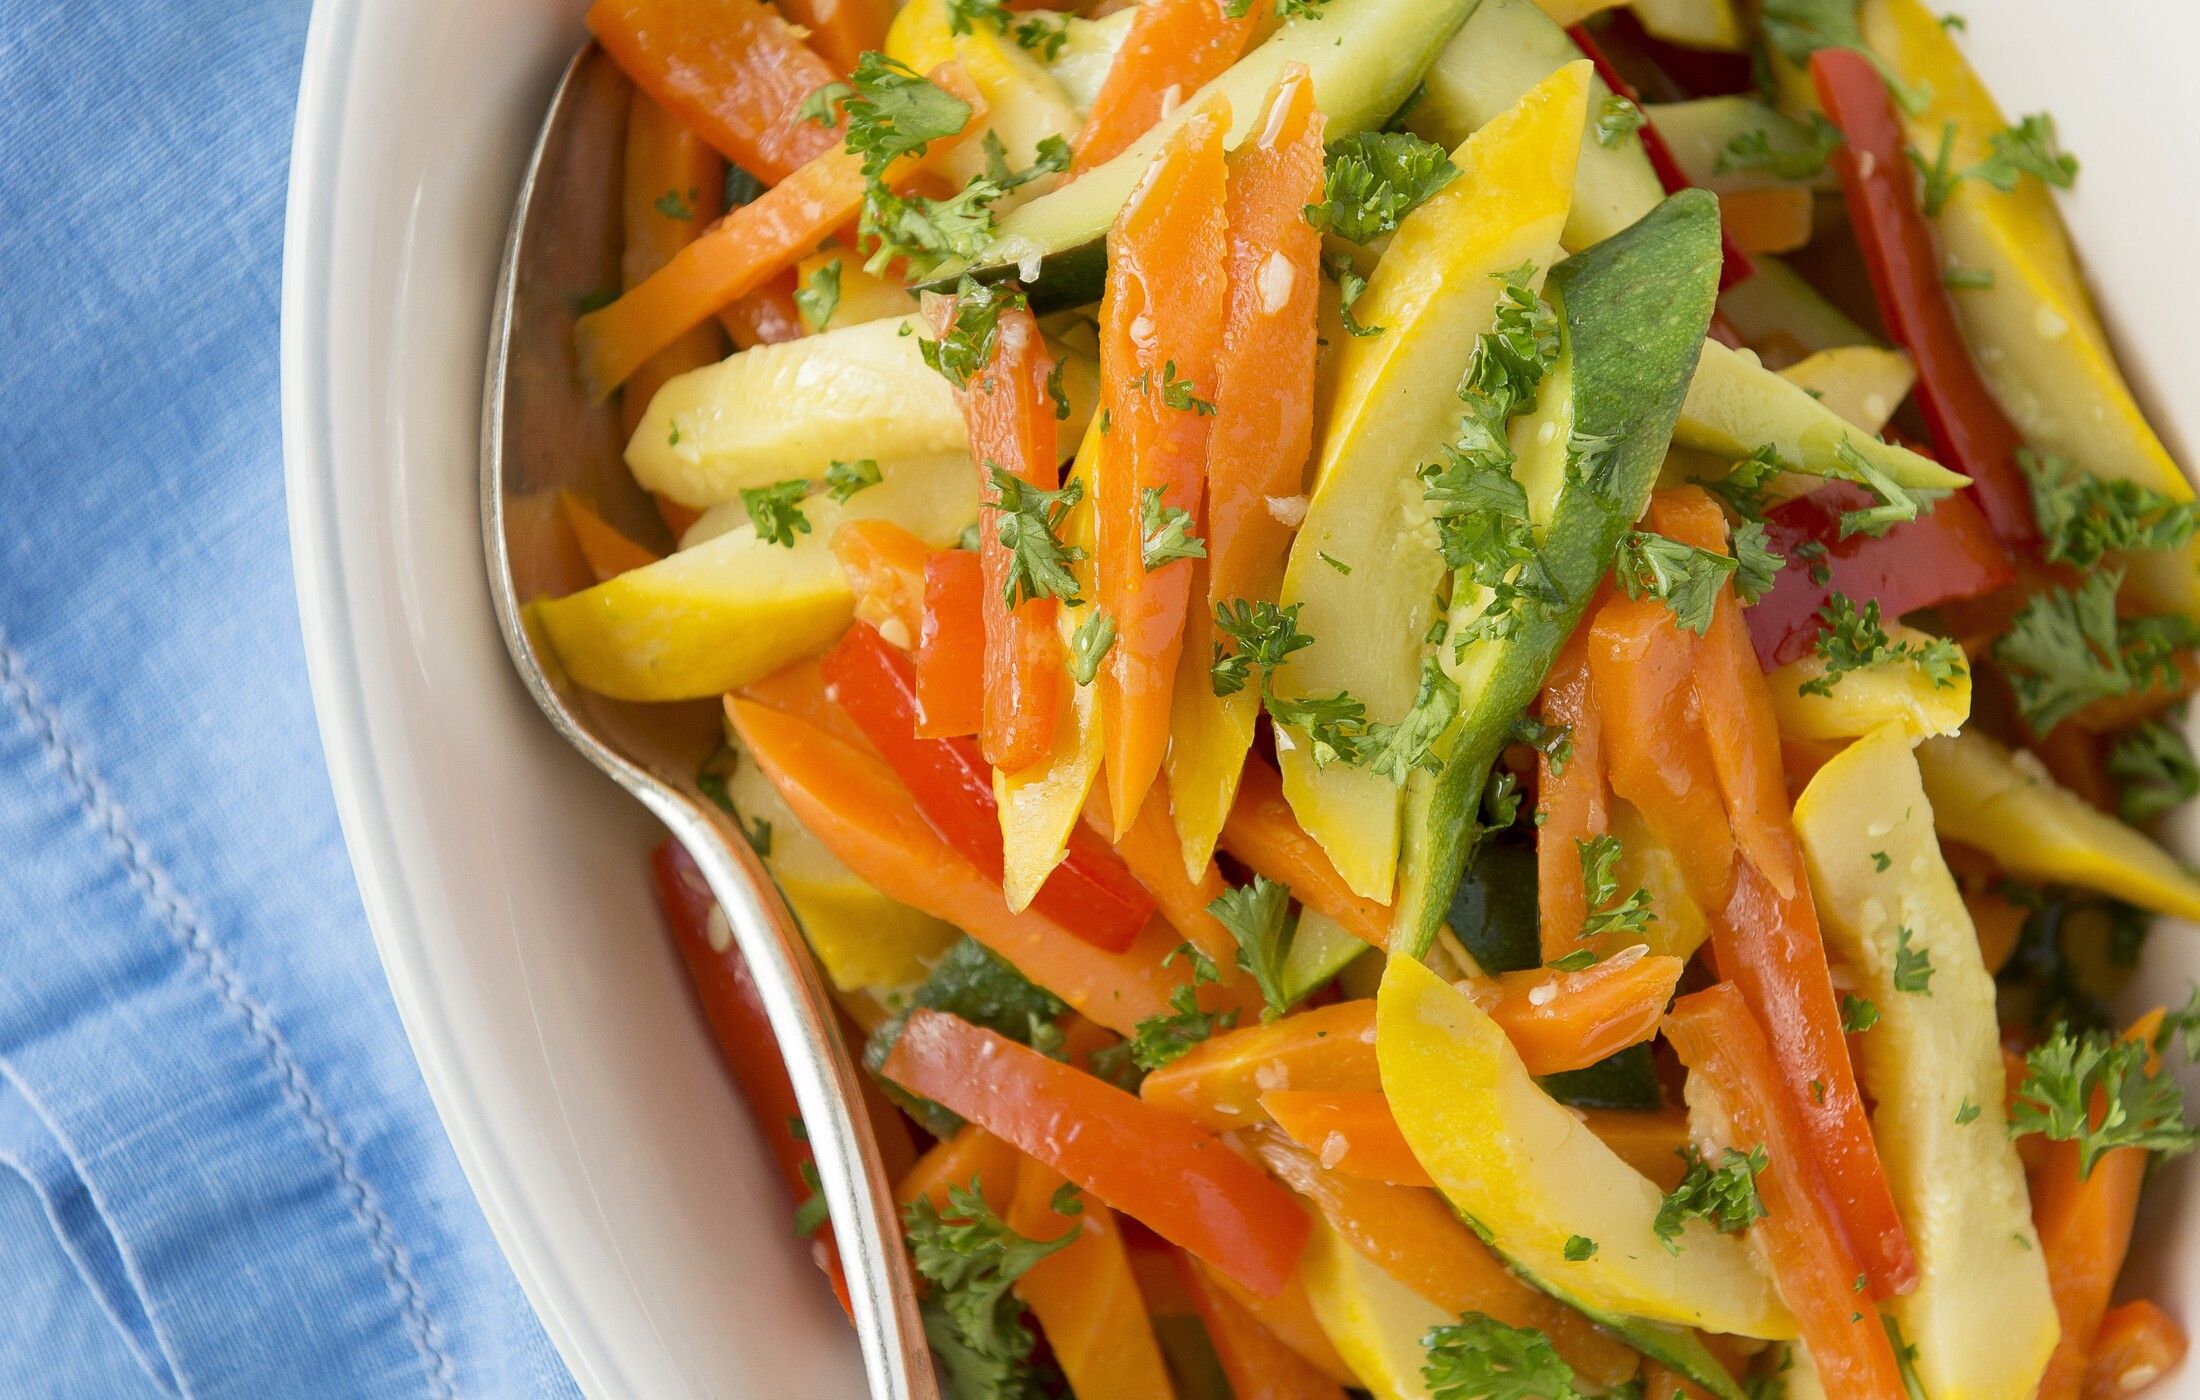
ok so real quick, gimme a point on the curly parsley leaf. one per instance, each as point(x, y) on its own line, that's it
point(2028, 148)
point(891, 110)
point(972, 1259)
point(1395, 751)
point(819, 297)
point(1686, 579)
point(1858, 1014)
point(1028, 522)
point(675, 205)
point(1756, 566)
point(1177, 394)
point(1165, 532)
point(1725, 1195)
point(1480, 1358)
point(776, 510)
point(2084, 517)
point(844, 479)
point(965, 349)
point(1158, 1040)
point(1753, 150)
point(2068, 648)
point(1262, 634)
point(2067, 1076)
point(1373, 179)
point(1616, 120)
point(1258, 916)
point(1089, 644)
point(1897, 503)
point(1349, 286)
point(1849, 640)
point(2154, 769)
point(1608, 913)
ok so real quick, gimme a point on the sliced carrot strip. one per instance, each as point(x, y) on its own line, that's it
point(842, 30)
point(1650, 1142)
point(799, 691)
point(1264, 834)
point(1349, 1132)
point(674, 186)
point(1160, 330)
point(1571, 798)
point(885, 566)
point(1290, 1315)
point(1416, 1240)
point(1085, 1295)
point(766, 316)
point(2085, 1231)
point(2137, 1344)
point(1011, 422)
point(951, 652)
point(1256, 1362)
point(1173, 48)
point(1258, 446)
point(1149, 846)
point(1184, 1185)
point(1218, 1084)
point(850, 800)
point(736, 255)
point(972, 1157)
point(1801, 1232)
point(732, 71)
point(1570, 1020)
point(608, 552)
point(1767, 221)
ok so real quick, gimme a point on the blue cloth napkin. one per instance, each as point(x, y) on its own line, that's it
point(220, 1174)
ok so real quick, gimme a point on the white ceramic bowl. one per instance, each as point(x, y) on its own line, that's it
point(503, 877)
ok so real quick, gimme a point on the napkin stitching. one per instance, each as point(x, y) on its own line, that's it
point(183, 924)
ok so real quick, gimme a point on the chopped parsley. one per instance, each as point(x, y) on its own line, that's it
point(966, 348)
point(1177, 394)
point(675, 205)
point(1743, 486)
point(891, 110)
point(1753, 150)
point(1881, 860)
point(776, 510)
point(1028, 523)
point(1968, 279)
point(1849, 640)
point(1686, 579)
point(1158, 1040)
point(844, 479)
point(1396, 750)
point(1799, 28)
point(1580, 1247)
point(1967, 1113)
point(2154, 770)
point(1263, 635)
point(810, 1215)
point(1334, 562)
point(1349, 286)
point(1756, 566)
point(1897, 503)
point(1617, 119)
point(1165, 532)
point(2085, 517)
point(1068, 1199)
point(1480, 1358)
point(1258, 916)
point(971, 1259)
point(1725, 1195)
point(1372, 180)
point(1579, 960)
point(2028, 148)
point(2064, 1077)
point(2068, 648)
point(1608, 913)
point(1913, 967)
point(1056, 392)
point(819, 296)
point(1858, 1014)
point(1089, 644)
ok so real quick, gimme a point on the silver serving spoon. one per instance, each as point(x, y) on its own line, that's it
point(539, 435)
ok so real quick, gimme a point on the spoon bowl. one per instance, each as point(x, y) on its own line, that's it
point(540, 437)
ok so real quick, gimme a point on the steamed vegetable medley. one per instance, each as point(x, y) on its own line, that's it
point(1469, 707)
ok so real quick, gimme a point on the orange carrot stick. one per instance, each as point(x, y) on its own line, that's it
point(732, 71)
point(1149, 847)
point(1160, 328)
point(1801, 1232)
point(1173, 48)
point(799, 691)
point(841, 30)
point(608, 552)
point(736, 255)
point(1571, 799)
point(1258, 445)
point(1256, 1362)
point(1290, 1315)
point(766, 316)
point(1084, 1295)
point(1351, 1132)
point(1218, 1084)
point(2085, 1231)
point(1263, 834)
point(850, 800)
point(1411, 1236)
point(1649, 1141)
point(1011, 425)
point(970, 1156)
point(1560, 1021)
point(885, 568)
point(2136, 1345)
point(674, 186)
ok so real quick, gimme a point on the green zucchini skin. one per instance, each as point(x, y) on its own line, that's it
point(1633, 311)
point(1366, 58)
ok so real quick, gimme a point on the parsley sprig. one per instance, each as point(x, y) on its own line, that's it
point(965, 349)
point(1724, 1195)
point(1799, 28)
point(1350, 284)
point(1027, 520)
point(2068, 1076)
point(1686, 579)
point(844, 479)
point(1258, 915)
point(1373, 179)
point(1480, 1358)
point(1753, 150)
point(1090, 644)
point(2154, 769)
point(1850, 640)
point(1165, 532)
point(819, 296)
point(2028, 148)
point(971, 1259)
point(2085, 517)
point(1608, 913)
point(776, 510)
point(2068, 648)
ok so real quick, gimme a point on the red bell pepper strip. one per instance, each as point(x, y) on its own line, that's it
point(1011, 424)
point(1948, 554)
point(1089, 893)
point(1974, 435)
point(1769, 949)
point(850, 800)
point(1187, 1187)
point(732, 71)
point(950, 658)
point(1812, 1264)
point(735, 1010)
point(1736, 266)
